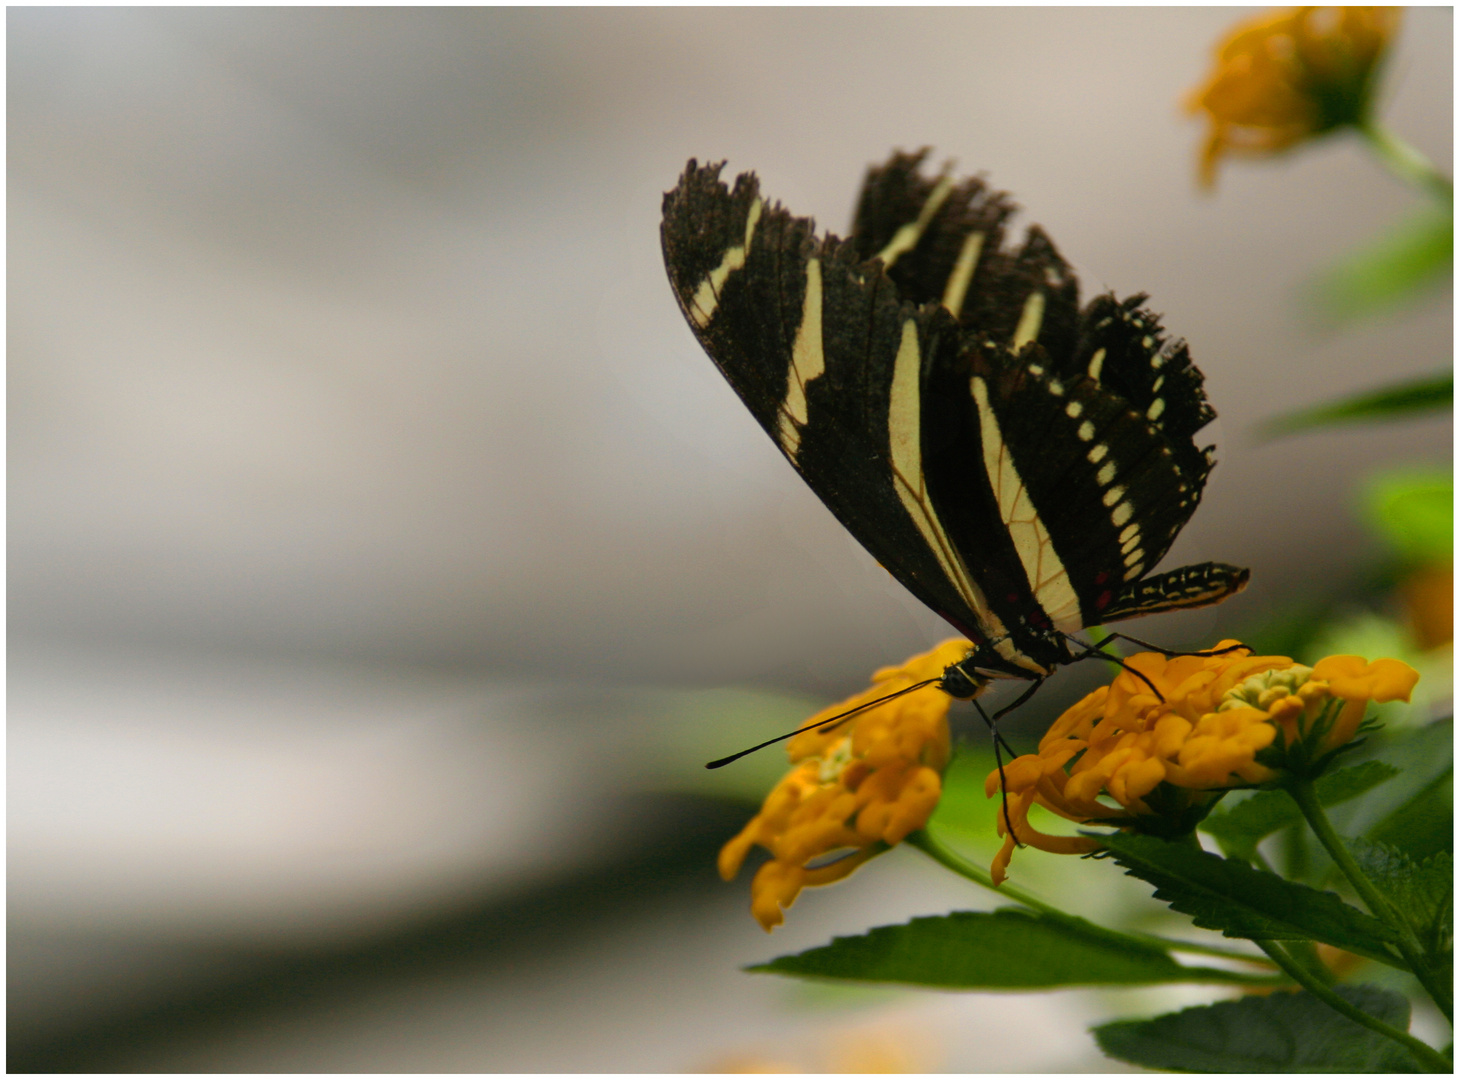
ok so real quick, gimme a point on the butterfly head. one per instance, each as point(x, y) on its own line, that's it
point(961, 681)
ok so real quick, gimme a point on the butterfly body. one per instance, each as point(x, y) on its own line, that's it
point(1020, 464)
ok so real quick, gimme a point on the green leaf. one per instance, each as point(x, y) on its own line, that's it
point(1007, 949)
point(1424, 825)
point(1414, 811)
point(1413, 511)
point(1422, 892)
point(1240, 901)
point(1429, 394)
point(1413, 257)
point(1284, 1032)
point(1246, 824)
point(1344, 784)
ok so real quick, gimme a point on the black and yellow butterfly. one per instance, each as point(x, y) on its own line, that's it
point(1017, 462)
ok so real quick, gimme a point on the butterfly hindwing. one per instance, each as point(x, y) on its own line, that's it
point(1101, 495)
point(1123, 347)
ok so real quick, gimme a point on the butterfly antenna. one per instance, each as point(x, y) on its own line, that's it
point(998, 757)
point(720, 763)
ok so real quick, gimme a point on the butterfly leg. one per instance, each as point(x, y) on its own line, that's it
point(998, 757)
point(1089, 652)
point(1032, 689)
point(1167, 652)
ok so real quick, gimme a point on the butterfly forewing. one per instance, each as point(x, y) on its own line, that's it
point(809, 336)
point(723, 251)
point(934, 236)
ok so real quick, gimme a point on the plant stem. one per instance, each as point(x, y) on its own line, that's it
point(1428, 1057)
point(1405, 162)
point(1408, 944)
point(926, 842)
point(1297, 856)
point(1305, 953)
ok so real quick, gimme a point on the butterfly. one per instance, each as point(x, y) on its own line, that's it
point(1018, 462)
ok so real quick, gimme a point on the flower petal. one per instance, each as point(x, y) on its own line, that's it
point(1352, 678)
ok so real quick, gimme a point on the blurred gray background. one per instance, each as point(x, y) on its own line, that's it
point(385, 554)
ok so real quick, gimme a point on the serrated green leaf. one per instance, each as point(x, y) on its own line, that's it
point(1282, 1032)
point(1423, 892)
point(1008, 949)
point(1240, 901)
point(1246, 824)
point(1414, 256)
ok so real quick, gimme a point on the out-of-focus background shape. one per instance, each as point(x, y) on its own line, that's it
point(385, 556)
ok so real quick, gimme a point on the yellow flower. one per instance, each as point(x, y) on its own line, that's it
point(1286, 77)
point(857, 787)
point(1320, 708)
point(1157, 763)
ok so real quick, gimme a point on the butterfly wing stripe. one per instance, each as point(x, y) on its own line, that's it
point(1029, 322)
point(904, 424)
point(928, 273)
point(807, 362)
point(908, 235)
point(706, 297)
point(962, 273)
point(1046, 573)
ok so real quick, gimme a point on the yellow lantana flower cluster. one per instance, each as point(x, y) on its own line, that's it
point(1155, 762)
point(857, 787)
point(1286, 77)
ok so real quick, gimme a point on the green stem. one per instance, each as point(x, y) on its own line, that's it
point(1305, 954)
point(1428, 1057)
point(1297, 855)
point(1190, 840)
point(1405, 162)
point(926, 842)
point(1408, 944)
